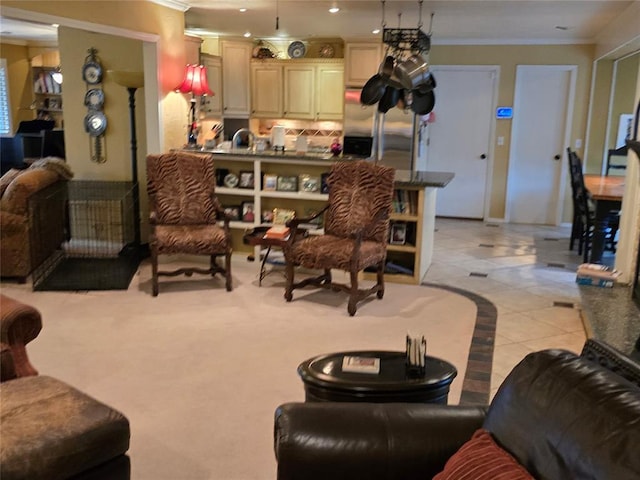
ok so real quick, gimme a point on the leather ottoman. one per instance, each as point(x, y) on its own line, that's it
point(51, 430)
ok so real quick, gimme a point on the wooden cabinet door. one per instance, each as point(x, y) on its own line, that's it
point(266, 90)
point(362, 61)
point(329, 92)
point(212, 104)
point(236, 73)
point(299, 90)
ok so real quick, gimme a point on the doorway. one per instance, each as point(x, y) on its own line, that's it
point(540, 133)
point(460, 137)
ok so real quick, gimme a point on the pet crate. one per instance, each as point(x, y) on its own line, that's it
point(100, 252)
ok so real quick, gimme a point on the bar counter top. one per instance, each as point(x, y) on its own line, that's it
point(403, 178)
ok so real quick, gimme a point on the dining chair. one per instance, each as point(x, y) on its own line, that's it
point(584, 212)
point(355, 236)
point(185, 214)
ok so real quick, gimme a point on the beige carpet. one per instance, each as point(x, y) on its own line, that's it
point(199, 371)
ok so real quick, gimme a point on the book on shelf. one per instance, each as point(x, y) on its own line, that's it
point(361, 364)
point(278, 232)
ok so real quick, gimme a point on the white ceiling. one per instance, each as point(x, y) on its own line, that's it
point(455, 21)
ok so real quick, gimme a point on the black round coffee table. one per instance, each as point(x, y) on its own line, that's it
point(324, 380)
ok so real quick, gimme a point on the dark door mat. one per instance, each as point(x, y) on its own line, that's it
point(91, 274)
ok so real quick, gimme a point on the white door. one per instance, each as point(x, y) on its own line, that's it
point(539, 136)
point(459, 137)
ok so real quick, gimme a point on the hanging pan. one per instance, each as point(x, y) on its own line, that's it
point(423, 103)
point(373, 90)
point(389, 99)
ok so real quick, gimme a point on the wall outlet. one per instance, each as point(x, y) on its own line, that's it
point(500, 141)
point(578, 143)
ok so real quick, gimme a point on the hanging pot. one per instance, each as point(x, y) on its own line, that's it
point(429, 85)
point(373, 90)
point(386, 67)
point(423, 103)
point(413, 72)
point(389, 99)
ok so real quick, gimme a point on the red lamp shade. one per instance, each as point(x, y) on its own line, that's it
point(195, 81)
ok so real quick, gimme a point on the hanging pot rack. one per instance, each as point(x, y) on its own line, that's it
point(407, 39)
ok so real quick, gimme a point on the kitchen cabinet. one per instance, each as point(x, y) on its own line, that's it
point(361, 62)
point(266, 90)
point(236, 72)
point(212, 104)
point(297, 89)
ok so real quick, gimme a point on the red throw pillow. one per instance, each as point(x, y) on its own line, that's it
point(482, 459)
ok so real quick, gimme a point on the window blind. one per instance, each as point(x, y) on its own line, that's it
point(5, 108)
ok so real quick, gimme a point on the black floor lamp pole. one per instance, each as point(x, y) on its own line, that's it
point(134, 163)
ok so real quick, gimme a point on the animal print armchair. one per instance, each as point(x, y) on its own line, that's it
point(356, 231)
point(184, 212)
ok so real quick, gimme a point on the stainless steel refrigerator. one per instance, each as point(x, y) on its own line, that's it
point(395, 134)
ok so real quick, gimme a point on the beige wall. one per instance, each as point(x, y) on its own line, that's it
point(114, 53)
point(624, 93)
point(508, 57)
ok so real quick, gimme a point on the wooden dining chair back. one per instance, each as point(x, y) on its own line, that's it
point(356, 231)
point(185, 214)
point(584, 212)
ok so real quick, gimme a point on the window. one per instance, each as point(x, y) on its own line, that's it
point(5, 108)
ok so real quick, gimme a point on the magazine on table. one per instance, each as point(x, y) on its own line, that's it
point(361, 364)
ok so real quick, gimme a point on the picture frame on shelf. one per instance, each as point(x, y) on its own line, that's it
point(233, 211)
point(270, 182)
point(247, 179)
point(309, 183)
point(282, 215)
point(55, 103)
point(267, 216)
point(398, 235)
point(287, 183)
point(324, 186)
point(248, 212)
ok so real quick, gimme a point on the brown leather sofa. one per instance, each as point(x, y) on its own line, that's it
point(559, 415)
point(51, 430)
point(32, 216)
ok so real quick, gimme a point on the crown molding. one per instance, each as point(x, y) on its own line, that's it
point(174, 4)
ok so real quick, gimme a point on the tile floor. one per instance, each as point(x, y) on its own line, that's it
point(526, 271)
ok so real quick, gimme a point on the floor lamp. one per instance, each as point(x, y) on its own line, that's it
point(132, 81)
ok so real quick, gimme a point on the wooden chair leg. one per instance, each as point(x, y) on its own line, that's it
point(289, 272)
point(154, 272)
point(353, 297)
point(227, 264)
point(380, 278)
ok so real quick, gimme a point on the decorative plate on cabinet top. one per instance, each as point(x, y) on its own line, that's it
point(296, 49)
point(326, 51)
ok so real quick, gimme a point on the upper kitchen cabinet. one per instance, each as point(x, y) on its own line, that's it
point(362, 61)
point(266, 90)
point(212, 104)
point(236, 93)
point(297, 89)
point(329, 92)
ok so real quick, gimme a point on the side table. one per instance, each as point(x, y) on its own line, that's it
point(255, 237)
point(324, 380)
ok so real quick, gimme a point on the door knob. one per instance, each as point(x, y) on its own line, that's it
point(557, 157)
point(483, 156)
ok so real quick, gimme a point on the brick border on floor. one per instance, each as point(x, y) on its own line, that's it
point(476, 385)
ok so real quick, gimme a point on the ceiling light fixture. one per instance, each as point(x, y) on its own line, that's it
point(242, 10)
point(247, 34)
point(334, 10)
point(376, 31)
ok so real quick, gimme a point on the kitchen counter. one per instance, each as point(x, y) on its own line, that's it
point(403, 178)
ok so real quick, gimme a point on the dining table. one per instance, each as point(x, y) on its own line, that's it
point(606, 192)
